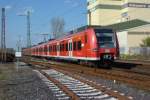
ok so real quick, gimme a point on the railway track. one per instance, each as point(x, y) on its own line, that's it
point(67, 87)
point(136, 71)
point(134, 79)
point(137, 80)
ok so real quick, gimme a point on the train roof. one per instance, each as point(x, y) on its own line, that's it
point(86, 27)
point(77, 30)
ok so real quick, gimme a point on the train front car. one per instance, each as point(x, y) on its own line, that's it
point(108, 47)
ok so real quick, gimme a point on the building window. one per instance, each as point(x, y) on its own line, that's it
point(125, 14)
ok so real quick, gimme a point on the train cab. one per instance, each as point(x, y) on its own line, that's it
point(107, 45)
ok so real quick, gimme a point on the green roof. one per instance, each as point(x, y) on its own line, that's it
point(127, 25)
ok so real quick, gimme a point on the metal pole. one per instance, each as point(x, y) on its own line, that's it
point(3, 44)
point(17, 64)
point(3, 29)
point(28, 30)
point(89, 13)
point(18, 50)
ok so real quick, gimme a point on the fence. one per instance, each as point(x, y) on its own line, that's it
point(7, 55)
point(135, 53)
point(143, 51)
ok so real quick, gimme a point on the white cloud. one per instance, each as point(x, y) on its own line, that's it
point(26, 9)
point(73, 3)
point(8, 7)
point(67, 1)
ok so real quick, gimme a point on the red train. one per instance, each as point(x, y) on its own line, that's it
point(90, 44)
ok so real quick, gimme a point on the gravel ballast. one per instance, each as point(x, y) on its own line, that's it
point(22, 84)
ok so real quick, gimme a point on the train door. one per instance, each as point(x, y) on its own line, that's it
point(70, 48)
point(58, 49)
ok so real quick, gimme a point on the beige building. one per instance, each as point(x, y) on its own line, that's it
point(106, 12)
point(130, 18)
point(130, 35)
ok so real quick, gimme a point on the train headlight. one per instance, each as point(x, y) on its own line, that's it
point(107, 56)
point(107, 51)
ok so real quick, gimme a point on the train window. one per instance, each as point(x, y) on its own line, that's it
point(86, 39)
point(57, 48)
point(53, 48)
point(41, 49)
point(66, 46)
point(105, 38)
point(74, 45)
point(79, 45)
point(45, 49)
point(49, 48)
point(36, 49)
point(62, 47)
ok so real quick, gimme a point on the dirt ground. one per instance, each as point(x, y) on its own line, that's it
point(22, 84)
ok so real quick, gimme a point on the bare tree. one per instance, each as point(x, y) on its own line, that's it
point(57, 26)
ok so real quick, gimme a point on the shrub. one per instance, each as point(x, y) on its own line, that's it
point(146, 42)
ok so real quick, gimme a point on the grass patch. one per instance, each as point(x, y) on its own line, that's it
point(134, 57)
point(3, 76)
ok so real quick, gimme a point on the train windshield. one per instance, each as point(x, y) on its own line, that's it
point(105, 38)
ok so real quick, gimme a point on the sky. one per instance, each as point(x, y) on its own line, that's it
point(42, 11)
